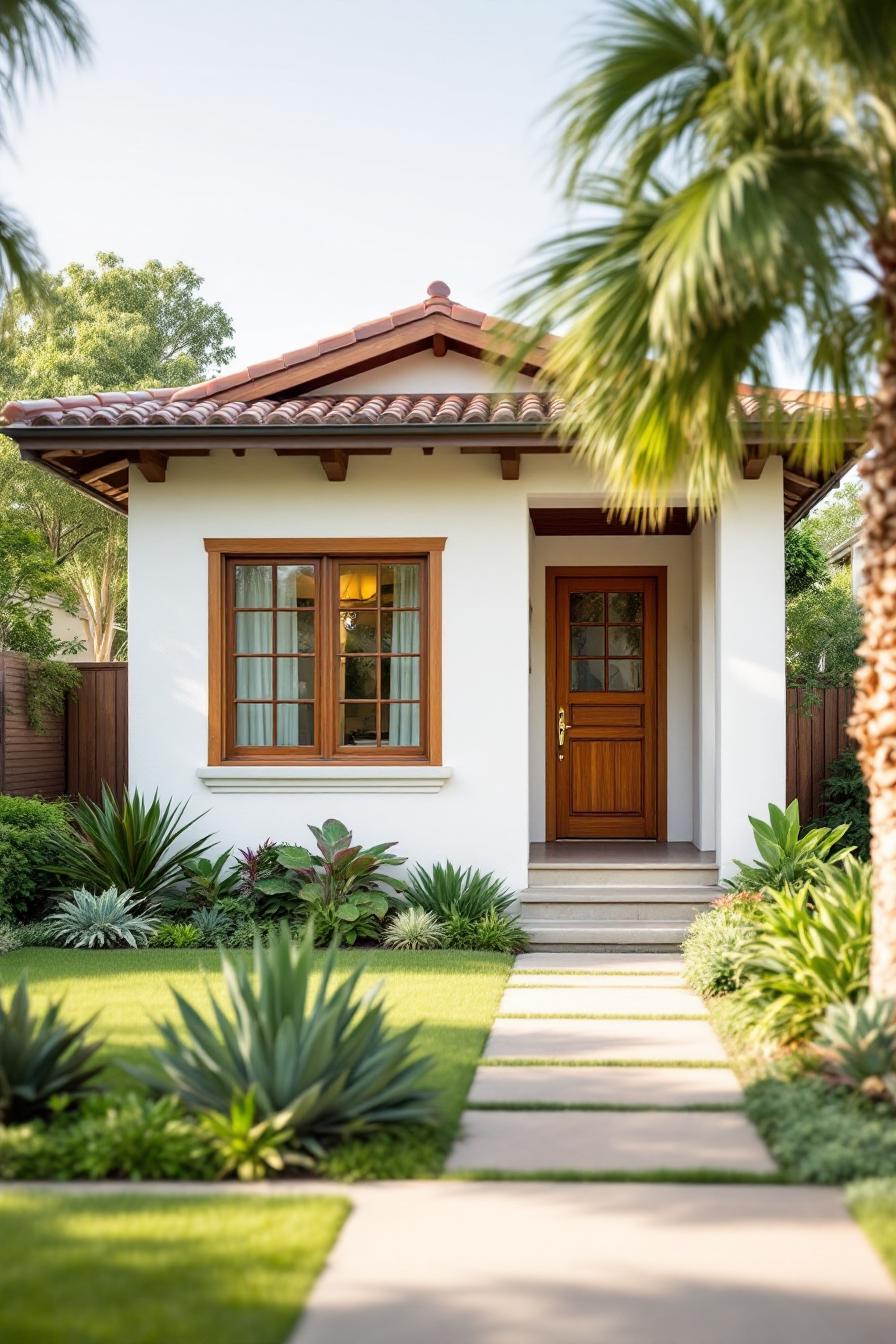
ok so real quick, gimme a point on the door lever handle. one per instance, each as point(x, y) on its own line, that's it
point(561, 731)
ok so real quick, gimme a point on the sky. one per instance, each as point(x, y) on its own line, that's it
point(318, 163)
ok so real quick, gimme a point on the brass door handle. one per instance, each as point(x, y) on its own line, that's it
point(561, 731)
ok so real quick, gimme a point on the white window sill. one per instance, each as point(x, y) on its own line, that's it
point(324, 778)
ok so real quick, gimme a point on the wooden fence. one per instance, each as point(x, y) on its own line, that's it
point(815, 737)
point(30, 762)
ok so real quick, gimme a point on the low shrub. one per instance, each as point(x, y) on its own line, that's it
point(111, 919)
point(305, 1044)
point(30, 834)
point(10, 938)
point(342, 883)
point(41, 933)
point(819, 1134)
point(41, 1057)
point(787, 858)
point(248, 1148)
point(359, 919)
point(213, 925)
point(176, 934)
point(844, 797)
point(414, 930)
point(857, 1042)
point(804, 955)
point(445, 890)
point(492, 932)
point(714, 947)
point(209, 880)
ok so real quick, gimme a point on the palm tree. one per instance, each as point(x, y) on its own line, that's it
point(737, 159)
point(33, 34)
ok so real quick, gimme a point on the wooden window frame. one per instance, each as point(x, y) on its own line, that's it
point(222, 551)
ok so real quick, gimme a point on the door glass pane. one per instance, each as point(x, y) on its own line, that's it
point(359, 725)
point(400, 586)
point(401, 679)
point(252, 586)
point(253, 678)
point(295, 632)
point(625, 674)
point(295, 585)
point(626, 640)
point(587, 675)
point(586, 607)
point(357, 585)
point(253, 631)
point(254, 725)
point(401, 726)
point(586, 641)
point(400, 632)
point(295, 725)
point(626, 607)
point(357, 631)
point(359, 678)
point(295, 678)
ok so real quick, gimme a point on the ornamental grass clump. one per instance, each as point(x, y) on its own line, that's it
point(110, 919)
point(716, 944)
point(445, 890)
point(306, 1045)
point(413, 930)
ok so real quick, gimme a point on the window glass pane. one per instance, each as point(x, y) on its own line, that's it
point(625, 674)
point(295, 725)
point(359, 725)
point(295, 585)
point(401, 586)
point(400, 726)
point(295, 678)
point(586, 641)
point(357, 631)
point(357, 585)
point(295, 632)
point(253, 631)
point(400, 632)
point(587, 675)
point(626, 639)
point(626, 607)
point(401, 679)
point(254, 725)
point(252, 585)
point(359, 678)
point(586, 606)
point(253, 679)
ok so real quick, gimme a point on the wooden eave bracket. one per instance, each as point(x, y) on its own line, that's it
point(152, 465)
point(335, 463)
point(510, 464)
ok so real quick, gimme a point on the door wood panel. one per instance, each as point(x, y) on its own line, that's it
point(607, 673)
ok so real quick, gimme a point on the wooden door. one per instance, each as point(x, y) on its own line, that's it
point(606, 704)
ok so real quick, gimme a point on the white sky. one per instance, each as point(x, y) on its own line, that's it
point(318, 163)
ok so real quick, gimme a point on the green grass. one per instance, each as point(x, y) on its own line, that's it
point(454, 994)
point(873, 1205)
point(104, 1268)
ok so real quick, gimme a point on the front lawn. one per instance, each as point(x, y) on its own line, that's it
point(873, 1205)
point(103, 1268)
point(454, 994)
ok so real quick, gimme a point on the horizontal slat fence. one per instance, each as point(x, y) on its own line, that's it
point(31, 763)
point(815, 737)
point(97, 731)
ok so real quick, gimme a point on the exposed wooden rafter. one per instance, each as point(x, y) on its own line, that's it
point(335, 464)
point(152, 465)
point(510, 464)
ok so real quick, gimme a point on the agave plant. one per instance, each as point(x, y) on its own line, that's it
point(857, 1042)
point(335, 875)
point(445, 890)
point(786, 857)
point(414, 930)
point(41, 1057)
point(322, 1054)
point(131, 845)
point(109, 919)
point(213, 924)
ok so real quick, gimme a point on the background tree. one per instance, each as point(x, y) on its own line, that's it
point(805, 563)
point(824, 631)
point(103, 327)
point(737, 162)
point(836, 519)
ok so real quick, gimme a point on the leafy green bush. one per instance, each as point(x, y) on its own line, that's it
point(175, 934)
point(787, 858)
point(30, 834)
point(414, 930)
point(805, 563)
point(342, 883)
point(307, 1045)
point(110, 919)
point(844, 796)
point(41, 1057)
point(248, 1148)
point(359, 918)
point(213, 925)
point(857, 1042)
point(492, 932)
point(444, 889)
point(131, 845)
point(10, 938)
point(824, 630)
point(208, 881)
point(820, 1134)
point(804, 956)
point(714, 947)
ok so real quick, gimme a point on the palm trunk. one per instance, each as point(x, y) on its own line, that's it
point(874, 715)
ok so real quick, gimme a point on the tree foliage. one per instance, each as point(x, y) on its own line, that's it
point(836, 518)
point(824, 630)
point(805, 564)
point(28, 575)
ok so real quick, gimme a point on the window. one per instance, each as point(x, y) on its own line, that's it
point(325, 652)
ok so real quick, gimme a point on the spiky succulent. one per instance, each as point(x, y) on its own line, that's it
point(858, 1044)
point(41, 1057)
point(111, 919)
point(414, 930)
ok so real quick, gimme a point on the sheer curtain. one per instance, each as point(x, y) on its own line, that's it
point(404, 720)
point(254, 723)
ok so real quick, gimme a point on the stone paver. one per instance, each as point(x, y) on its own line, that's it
point(632, 1086)
point(564, 1039)
point(504, 1263)
point(600, 999)
point(663, 962)
point(533, 1141)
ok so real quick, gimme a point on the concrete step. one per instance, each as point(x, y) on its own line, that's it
point(593, 933)
point(577, 873)
point(609, 905)
point(685, 893)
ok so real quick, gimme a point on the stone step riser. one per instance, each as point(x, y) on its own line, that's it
point(604, 875)
point(611, 912)
point(629, 934)
point(684, 894)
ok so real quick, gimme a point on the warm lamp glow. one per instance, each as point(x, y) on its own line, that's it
point(358, 585)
